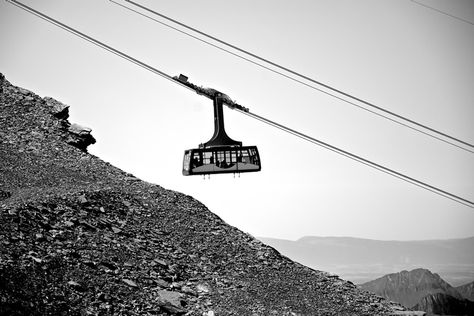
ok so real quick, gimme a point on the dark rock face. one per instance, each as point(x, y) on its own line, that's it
point(467, 291)
point(81, 237)
point(443, 304)
point(409, 287)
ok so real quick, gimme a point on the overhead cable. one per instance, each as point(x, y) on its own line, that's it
point(94, 41)
point(255, 116)
point(364, 161)
point(442, 12)
point(392, 115)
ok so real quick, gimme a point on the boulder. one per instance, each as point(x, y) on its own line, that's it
point(80, 137)
point(172, 302)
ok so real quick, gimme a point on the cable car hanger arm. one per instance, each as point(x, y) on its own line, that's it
point(210, 93)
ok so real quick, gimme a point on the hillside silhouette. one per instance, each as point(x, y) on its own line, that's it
point(79, 236)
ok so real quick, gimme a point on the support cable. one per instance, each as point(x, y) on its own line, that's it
point(442, 12)
point(292, 78)
point(364, 161)
point(246, 112)
point(94, 41)
point(340, 92)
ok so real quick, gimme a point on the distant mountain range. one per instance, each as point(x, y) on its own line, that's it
point(361, 260)
point(420, 289)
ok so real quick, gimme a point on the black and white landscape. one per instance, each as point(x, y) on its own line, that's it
point(362, 115)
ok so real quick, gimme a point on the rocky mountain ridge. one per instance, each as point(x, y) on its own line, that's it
point(81, 237)
point(420, 289)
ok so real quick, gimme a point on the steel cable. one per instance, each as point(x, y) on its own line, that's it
point(340, 92)
point(364, 161)
point(442, 12)
point(255, 116)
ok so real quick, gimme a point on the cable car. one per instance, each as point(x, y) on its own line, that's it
point(221, 154)
point(225, 159)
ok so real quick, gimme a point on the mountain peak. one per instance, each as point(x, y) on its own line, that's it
point(409, 287)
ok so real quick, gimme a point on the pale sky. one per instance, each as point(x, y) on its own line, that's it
point(396, 54)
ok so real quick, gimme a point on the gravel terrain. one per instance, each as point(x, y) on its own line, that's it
point(79, 236)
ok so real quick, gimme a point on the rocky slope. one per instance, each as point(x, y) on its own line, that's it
point(81, 237)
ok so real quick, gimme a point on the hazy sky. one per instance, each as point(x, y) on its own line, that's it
point(399, 55)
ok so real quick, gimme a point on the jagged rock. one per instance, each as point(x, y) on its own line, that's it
point(162, 283)
point(2, 79)
point(202, 288)
point(79, 130)
point(129, 282)
point(82, 199)
point(160, 262)
point(58, 109)
point(80, 137)
point(408, 313)
point(172, 302)
point(76, 286)
point(189, 290)
point(4, 195)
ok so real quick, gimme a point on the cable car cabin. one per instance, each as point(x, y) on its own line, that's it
point(221, 154)
point(225, 159)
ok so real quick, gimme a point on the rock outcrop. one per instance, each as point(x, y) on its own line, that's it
point(81, 237)
point(24, 102)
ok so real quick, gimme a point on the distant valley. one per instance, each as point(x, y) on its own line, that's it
point(362, 260)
